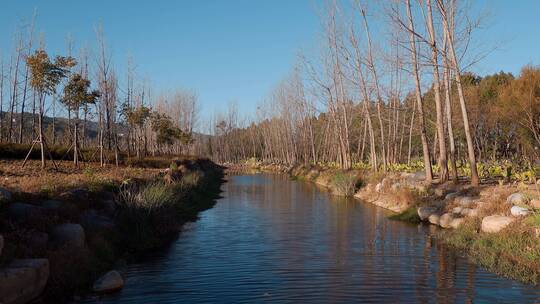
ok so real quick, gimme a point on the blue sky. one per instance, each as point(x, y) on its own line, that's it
point(234, 50)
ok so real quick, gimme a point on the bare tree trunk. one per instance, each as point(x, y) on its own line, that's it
point(76, 144)
point(420, 104)
point(26, 72)
point(448, 105)
point(442, 161)
point(14, 91)
point(40, 126)
point(410, 136)
point(365, 101)
point(475, 180)
point(377, 88)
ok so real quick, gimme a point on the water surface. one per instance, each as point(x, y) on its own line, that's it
point(273, 240)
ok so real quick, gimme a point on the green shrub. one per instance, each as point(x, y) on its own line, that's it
point(345, 183)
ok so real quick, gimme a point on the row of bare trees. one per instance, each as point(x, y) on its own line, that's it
point(79, 105)
point(388, 88)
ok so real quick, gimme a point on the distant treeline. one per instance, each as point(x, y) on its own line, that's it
point(363, 105)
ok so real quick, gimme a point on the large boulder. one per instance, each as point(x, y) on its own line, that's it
point(109, 207)
point(464, 201)
point(451, 196)
point(425, 212)
point(23, 280)
point(496, 223)
point(76, 194)
point(52, 205)
point(68, 235)
point(469, 212)
point(445, 220)
point(38, 241)
point(519, 211)
point(434, 219)
point(456, 222)
point(110, 282)
point(22, 212)
point(92, 221)
point(457, 210)
point(516, 198)
point(5, 195)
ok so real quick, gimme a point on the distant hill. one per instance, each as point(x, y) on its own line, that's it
point(61, 124)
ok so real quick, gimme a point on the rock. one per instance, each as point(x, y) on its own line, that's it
point(516, 198)
point(535, 203)
point(23, 280)
point(367, 188)
point(76, 194)
point(378, 187)
point(472, 213)
point(451, 196)
point(5, 195)
point(420, 176)
point(109, 207)
point(469, 212)
point(496, 223)
point(464, 201)
point(38, 241)
point(92, 221)
point(22, 212)
point(425, 212)
point(1, 244)
point(445, 220)
point(458, 210)
point(52, 204)
point(68, 235)
point(434, 219)
point(439, 192)
point(456, 222)
point(519, 211)
point(110, 282)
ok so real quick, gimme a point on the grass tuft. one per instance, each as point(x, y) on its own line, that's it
point(513, 252)
point(410, 215)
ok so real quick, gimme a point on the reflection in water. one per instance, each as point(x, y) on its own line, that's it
point(274, 240)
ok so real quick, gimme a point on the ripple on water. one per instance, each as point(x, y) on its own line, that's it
point(274, 240)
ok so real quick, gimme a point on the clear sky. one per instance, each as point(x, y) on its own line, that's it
point(234, 50)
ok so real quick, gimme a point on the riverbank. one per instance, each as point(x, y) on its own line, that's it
point(61, 231)
point(496, 225)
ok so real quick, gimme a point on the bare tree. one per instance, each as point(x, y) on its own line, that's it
point(447, 23)
point(419, 101)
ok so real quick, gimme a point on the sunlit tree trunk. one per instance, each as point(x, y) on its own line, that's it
point(418, 90)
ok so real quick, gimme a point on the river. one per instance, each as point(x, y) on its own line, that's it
point(270, 239)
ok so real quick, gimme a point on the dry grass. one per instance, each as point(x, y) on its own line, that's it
point(32, 179)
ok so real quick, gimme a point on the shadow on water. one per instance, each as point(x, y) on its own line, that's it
point(270, 239)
